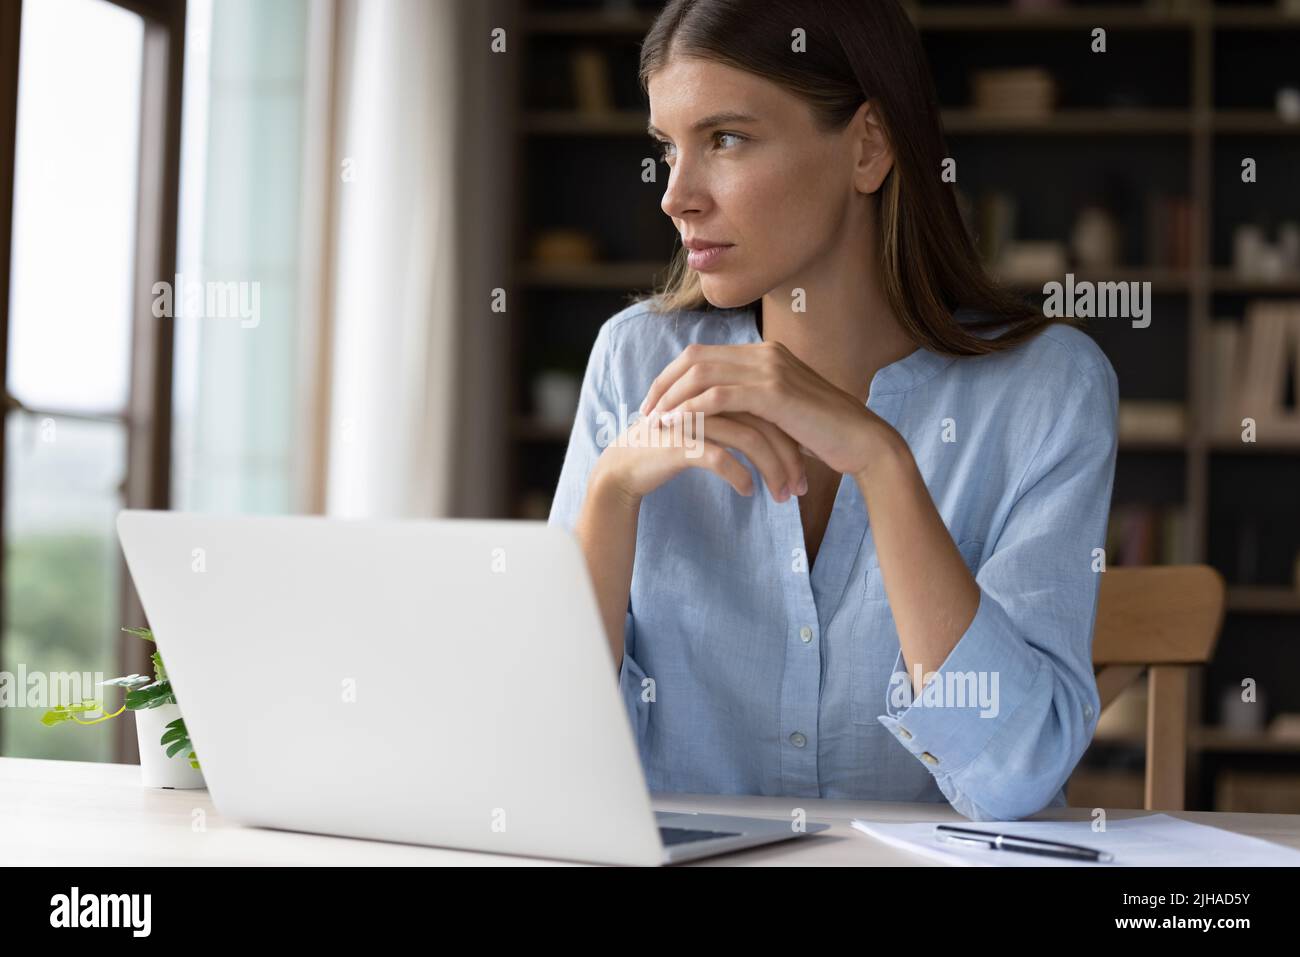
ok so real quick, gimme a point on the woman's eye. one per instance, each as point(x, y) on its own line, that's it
point(665, 147)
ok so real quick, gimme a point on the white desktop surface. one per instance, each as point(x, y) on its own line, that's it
point(85, 814)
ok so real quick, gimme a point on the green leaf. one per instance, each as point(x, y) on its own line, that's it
point(61, 713)
point(159, 671)
point(130, 681)
point(144, 633)
point(151, 696)
point(158, 702)
point(179, 739)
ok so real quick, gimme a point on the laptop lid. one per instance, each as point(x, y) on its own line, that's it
point(438, 682)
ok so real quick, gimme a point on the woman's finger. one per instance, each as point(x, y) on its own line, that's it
point(704, 375)
point(786, 448)
point(716, 459)
point(693, 353)
point(724, 399)
point(725, 430)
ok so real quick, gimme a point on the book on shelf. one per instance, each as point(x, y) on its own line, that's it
point(592, 89)
point(1169, 231)
point(1152, 420)
point(996, 223)
point(1222, 375)
point(1026, 93)
point(1251, 367)
point(1144, 534)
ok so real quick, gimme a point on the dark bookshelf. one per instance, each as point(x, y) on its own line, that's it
point(1184, 90)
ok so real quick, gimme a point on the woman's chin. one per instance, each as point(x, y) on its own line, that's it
point(724, 294)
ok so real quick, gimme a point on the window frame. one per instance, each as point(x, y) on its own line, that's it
point(147, 416)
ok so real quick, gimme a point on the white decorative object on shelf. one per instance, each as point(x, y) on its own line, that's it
point(1152, 420)
point(1095, 239)
point(1288, 104)
point(1236, 714)
point(555, 397)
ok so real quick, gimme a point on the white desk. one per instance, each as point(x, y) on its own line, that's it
point(84, 814)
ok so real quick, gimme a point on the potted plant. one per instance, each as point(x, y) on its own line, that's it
point(171, 761)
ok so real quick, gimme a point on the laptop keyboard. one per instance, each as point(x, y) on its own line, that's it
point(685, 835)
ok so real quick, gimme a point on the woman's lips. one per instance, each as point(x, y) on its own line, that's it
point(703, 260)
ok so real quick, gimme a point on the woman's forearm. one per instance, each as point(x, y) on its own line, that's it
point(606, 531)
point(932, 594)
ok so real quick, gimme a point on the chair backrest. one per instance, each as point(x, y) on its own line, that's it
point(1162, 620)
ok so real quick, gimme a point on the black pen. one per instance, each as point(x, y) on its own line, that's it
point(1010, 842)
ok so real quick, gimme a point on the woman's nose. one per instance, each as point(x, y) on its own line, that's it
point(683, 193)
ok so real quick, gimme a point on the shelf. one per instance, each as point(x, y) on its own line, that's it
point(1097, 122)
point(531, 430)
point(1243, 742)
point(1122, 122)
point(625, 276)
point(590, 23)
point(1005, 20)
point(1232, 445)
point(1225, 280)
point(1161, 279)
point(1165, 280)
point(1213, 739)
point(1260, 19)
point(1263, 599)
point(1137, 444)
point(574, 123)
point(1266, 122)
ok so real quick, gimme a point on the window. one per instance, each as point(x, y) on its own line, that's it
point(89, 224)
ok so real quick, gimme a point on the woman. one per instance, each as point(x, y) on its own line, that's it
point(937, 457)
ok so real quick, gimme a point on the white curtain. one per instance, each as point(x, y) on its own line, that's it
point(392, 369)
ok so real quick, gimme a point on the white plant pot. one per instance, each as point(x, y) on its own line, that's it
point(156, 769)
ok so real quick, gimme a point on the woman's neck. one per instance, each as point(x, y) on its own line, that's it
point(844, 335)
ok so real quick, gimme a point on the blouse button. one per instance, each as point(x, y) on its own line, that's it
point(798, 740)
point(929, 758)
point(806, 634)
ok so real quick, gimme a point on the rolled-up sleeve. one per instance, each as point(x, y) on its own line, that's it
point(599, 412)
point(1008, 714)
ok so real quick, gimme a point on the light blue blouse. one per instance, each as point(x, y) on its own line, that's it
point(744, 673)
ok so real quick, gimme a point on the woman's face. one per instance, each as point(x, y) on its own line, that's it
point(773, 187)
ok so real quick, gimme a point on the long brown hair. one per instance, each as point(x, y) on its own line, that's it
point(858, 50)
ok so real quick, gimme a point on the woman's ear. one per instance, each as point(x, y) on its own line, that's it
point(874, 156)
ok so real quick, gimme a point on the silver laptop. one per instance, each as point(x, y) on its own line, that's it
point(445, 683)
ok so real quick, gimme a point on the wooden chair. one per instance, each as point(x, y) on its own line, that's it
point(1161, 620)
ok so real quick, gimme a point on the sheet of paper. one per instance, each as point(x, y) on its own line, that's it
point(1154, 840)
